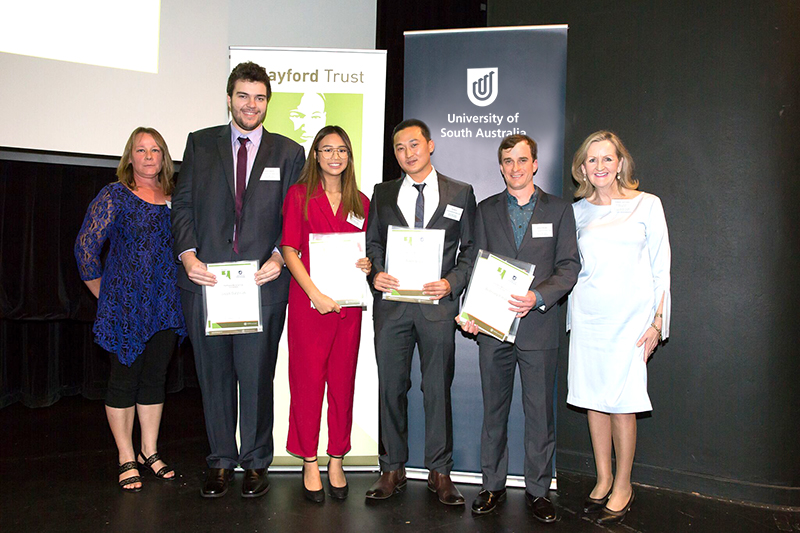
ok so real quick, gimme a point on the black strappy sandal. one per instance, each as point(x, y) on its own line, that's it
point(163, 471)
point(123, 483)
point(316, 496)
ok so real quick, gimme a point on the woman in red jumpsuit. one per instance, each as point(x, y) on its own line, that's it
point(323, 341)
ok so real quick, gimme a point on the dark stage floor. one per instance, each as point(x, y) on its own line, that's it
point(58, 473)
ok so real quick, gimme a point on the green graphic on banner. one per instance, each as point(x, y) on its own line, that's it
point(300, 116)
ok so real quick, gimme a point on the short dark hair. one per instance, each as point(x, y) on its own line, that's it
point(249, 71)
point(511, 141)
point(410, 123)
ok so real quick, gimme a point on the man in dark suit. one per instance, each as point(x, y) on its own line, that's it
point(227, 207)
point(421, 199)
point(525, 223)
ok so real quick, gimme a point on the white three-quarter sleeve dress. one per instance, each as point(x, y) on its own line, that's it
point(625, 261)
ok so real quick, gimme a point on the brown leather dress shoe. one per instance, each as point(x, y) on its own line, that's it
point(216, 483)
point(256, 483)
point(543, 509)
point(487, 500)
point(443, 486)
point(389, 483)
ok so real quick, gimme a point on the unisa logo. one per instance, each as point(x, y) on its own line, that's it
point(482, 85)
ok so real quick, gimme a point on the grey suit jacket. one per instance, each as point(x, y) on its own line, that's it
point(556, 258)
point(203, 203)
point(458, 242)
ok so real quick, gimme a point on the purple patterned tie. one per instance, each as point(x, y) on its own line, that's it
point(241, 185)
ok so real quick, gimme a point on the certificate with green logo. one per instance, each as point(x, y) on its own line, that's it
point(494, 279)
point(414, 257)
point(233, 305)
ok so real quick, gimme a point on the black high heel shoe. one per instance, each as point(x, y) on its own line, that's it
point(339, 493)
point(595, 505)
point(607, 516)
point(316, 496)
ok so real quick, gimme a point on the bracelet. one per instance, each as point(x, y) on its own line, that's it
point(659, 315)
point(658, 329)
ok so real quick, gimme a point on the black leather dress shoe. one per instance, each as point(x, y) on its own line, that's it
point(389, 483)
point(487, 500)
point(543, 509)
point(444, 488)
point(256, 483)
point(595, 505)
point(216, 483)
point(607, 516)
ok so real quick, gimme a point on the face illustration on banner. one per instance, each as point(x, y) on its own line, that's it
point(309, 117)
point(482, 85)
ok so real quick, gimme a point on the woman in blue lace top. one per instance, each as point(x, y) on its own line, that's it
point(139, 317)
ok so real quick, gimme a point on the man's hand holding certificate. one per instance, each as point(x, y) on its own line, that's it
point(494, 280)
point(233, 304)
point(414, 265)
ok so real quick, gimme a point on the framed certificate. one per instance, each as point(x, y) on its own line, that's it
point(332, 261)
point(494, 279)
point(233, 305)
point(414, 257)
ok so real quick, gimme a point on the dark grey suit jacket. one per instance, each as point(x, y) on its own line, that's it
point(458, 242)
point(556, 259)
point(203, 204)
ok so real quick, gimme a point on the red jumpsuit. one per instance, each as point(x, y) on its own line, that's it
point(323, 349)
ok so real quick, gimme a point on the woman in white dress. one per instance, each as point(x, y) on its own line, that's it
point(618, 311)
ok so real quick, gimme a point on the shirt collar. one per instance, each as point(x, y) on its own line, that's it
point(431, 180)
point(512, 200)
point(253, 136)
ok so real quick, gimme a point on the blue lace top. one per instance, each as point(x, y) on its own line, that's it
point(139, 295)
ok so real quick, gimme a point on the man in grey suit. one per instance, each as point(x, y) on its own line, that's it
point(525, 223)
point(423, 199)
point(227, 207)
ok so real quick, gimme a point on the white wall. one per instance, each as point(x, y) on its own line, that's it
point(70, 107)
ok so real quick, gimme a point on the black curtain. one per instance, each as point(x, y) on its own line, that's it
point(47, 349)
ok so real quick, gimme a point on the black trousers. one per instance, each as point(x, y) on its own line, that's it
point(145, 380)
point(230, 362)
point(394, 348)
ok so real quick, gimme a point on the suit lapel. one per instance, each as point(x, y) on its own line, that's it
point(260, 162)
point(445, 194)
point(540, 215)
point(393, 191)
point(226, 155)
point(501, 210)
point(319, 201)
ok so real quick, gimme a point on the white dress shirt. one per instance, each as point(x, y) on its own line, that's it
point(407, 197)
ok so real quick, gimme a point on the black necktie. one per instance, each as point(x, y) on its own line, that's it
point(419, 212)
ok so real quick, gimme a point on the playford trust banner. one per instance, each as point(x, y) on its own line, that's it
point(473, 88)
point(312, 88)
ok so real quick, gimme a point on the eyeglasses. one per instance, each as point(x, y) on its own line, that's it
point(328, 152)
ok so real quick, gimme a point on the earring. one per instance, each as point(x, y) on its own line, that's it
point(618, 175)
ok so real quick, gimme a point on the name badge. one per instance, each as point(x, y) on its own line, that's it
point(541, 230)
point(271, 174)
point(355, 220)
point(622, 206)
point(452, 212)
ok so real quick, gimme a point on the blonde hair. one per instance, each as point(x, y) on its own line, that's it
point(125, 168)
point(626, 179)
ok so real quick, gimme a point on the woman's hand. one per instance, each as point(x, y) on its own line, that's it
point(365, 265)
point(650, 341)
point(325, 305)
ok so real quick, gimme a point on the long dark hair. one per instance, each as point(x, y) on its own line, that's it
point(311, 175)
